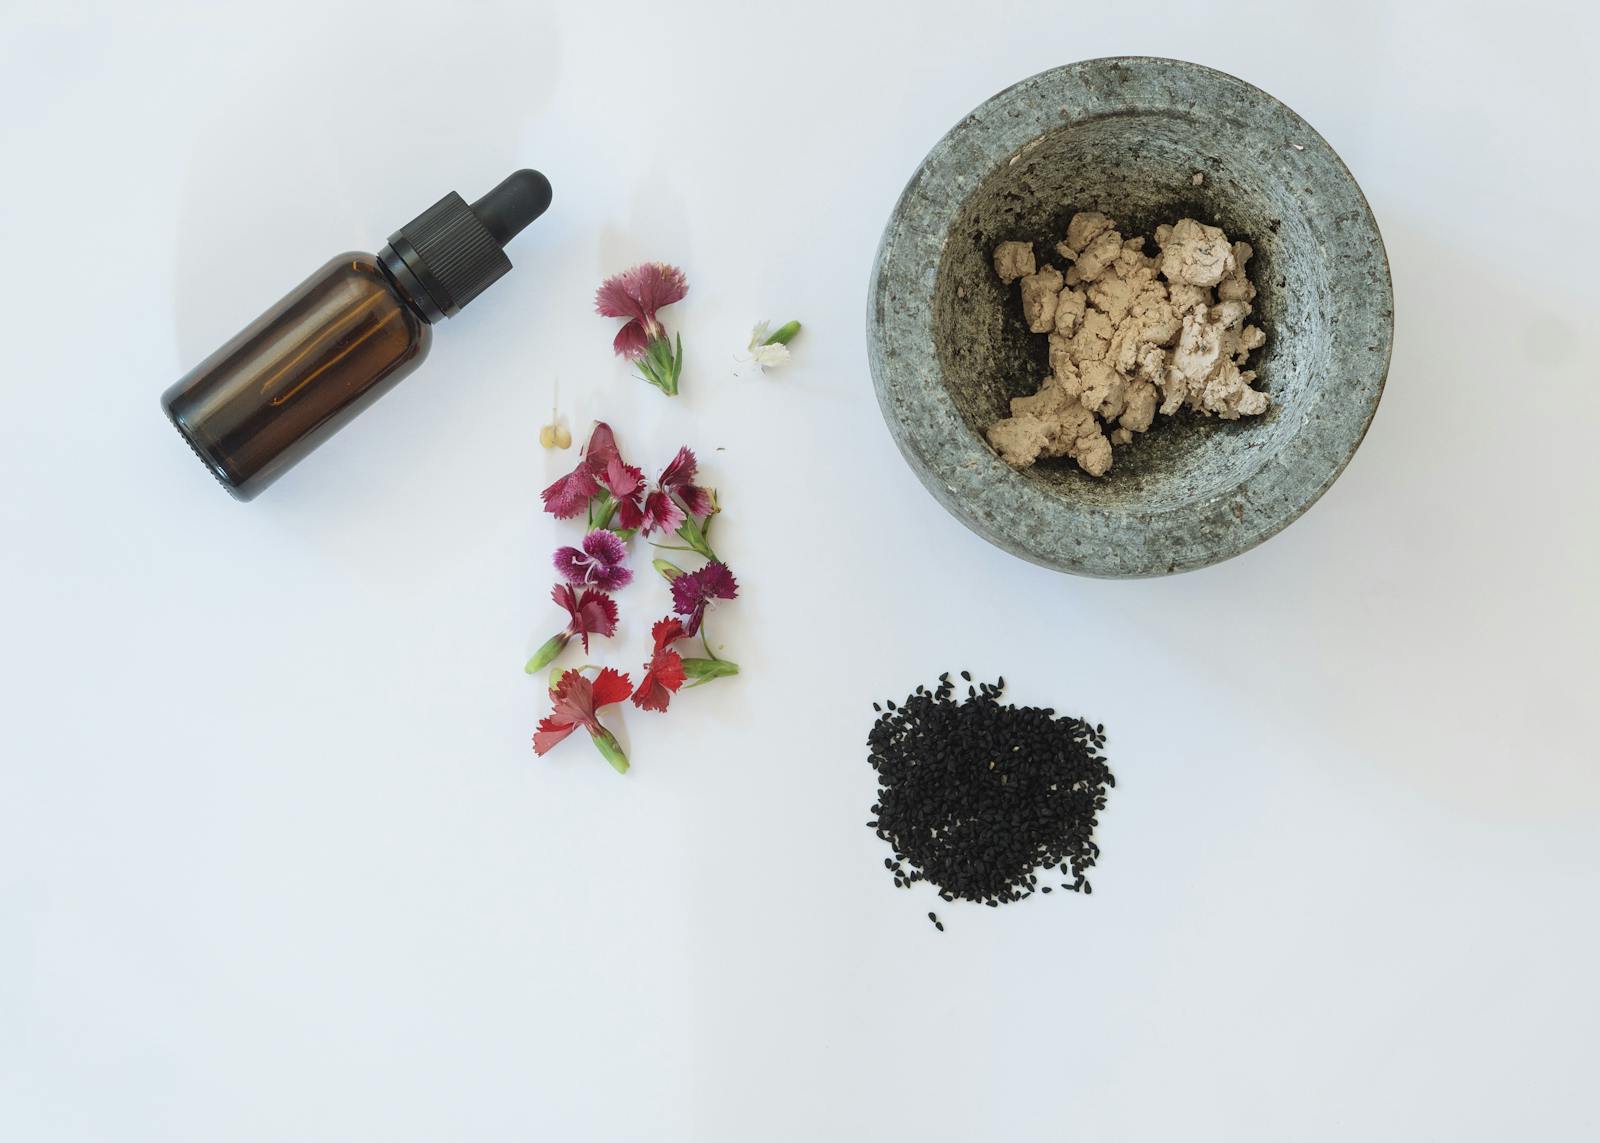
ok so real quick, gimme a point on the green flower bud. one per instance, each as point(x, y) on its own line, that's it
point(611, 750)
point(784, 334)
point(547, 652)
point(704, 670)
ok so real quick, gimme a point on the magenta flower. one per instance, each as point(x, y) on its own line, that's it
point(678, 481)
point(599, 563)
point(637, 294)
point(693, 592)
point(572, 493)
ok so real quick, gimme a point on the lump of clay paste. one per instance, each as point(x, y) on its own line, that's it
point(1131, 337)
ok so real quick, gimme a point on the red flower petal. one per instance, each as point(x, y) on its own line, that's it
point(595, 614)
point(611, 686)
point(682, 469)
point(629, 514)
point(617, 298)
point(569, 495)
point(623, 481)
point(551, 731)
point(667, 631)
point(696, 499)
point(664, 677)
point(574, 701)
point(654, 285)
point(679, 480)
point(661, 513)
point(631, 341)
point(640, 291)
point(601, 449)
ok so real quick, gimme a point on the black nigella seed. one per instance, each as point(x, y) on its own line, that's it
point(979, 797)
point(939, 925)
point(933, 916)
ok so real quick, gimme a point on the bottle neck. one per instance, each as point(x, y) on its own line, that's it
point(409, 284)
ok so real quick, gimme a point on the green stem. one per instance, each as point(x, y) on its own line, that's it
point(607, 506)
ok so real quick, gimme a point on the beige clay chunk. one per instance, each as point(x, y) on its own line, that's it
point(1013, 260)
point(1132, 337)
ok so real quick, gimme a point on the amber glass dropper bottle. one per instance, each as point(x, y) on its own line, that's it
point(344, 336)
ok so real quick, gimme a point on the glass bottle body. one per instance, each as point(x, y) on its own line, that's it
point(298, 373)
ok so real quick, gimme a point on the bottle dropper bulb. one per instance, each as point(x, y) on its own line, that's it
point(522, 197)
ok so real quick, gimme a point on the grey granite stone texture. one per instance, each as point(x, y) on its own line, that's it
point(948, 347)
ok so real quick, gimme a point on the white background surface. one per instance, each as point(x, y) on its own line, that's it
point(276, 860)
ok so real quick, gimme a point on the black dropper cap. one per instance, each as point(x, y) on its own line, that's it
point(452, 252)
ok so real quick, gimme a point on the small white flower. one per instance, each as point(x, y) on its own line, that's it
point(763, 353)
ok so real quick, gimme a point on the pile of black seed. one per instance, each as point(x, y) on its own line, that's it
point(983, 800)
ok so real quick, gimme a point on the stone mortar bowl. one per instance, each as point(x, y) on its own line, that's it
point(948, 346)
